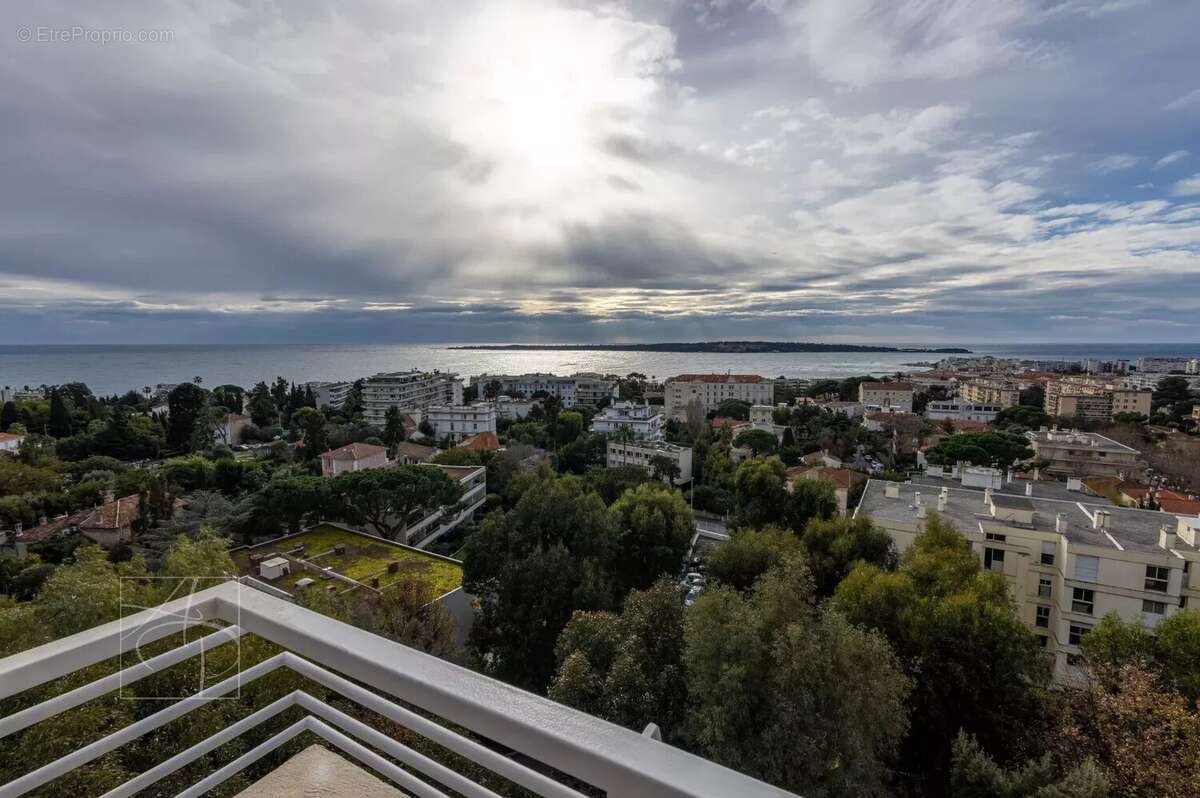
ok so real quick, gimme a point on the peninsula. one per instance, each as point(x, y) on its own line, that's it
point(723, 347)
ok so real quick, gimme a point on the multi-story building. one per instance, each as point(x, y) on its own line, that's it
point(708, 391)
point(1095, 366)
point(584, 388)
point(461, 421)
point(961, 410)
point(330, 393)
point(1193, 366)
point(1091, 398)
point(1163, 364)
point(1068, 563)
point(894, 396)
point(643, 453)
point(998, 393)
point(1149, 380)
point(409, 391)
point(508, 407)
point(644, 421)
point(1084, 454)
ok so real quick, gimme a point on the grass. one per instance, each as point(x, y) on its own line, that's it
point(365, 557)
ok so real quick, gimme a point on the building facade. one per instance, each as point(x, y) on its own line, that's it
point(957, 410)
point(1067, 563)
point(996, 393)
point(1084, 454)
point(333, 394)
point(353, 457)
point(643, 453)
point(584, 388)
point(1094, 399)
point(895, 396)
point(644, 421)
point(708, 391)
point(461, 421)
point(409, 391)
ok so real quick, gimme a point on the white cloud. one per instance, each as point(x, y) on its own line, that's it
point(1188, 187)
point(1170, 158)
point(1192, 98)
point(1114, 163)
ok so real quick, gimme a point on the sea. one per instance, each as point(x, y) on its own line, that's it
point(113, 369)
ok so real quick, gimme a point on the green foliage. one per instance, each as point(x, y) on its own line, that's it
point(759, 441)
point(184, 404)
point(390, 499)
point(1171, 652)
point(60, 423)
point(531, 568)
point(760, 492)
point(588, 450)
point(627, 667)
point(975, 775)
point(654, 526)
point(1021, 416)
point(748, 554)
point(393, 428)
point(611, 483)
point(458, 456)
point(789, 693)
point(312, 425)
point(995, 449)
point(189, 473)
point(834, 546)
point(734, 408)
point(974, 664)
point(809, 500)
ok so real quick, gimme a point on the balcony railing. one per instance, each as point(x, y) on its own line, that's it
point(552, 738)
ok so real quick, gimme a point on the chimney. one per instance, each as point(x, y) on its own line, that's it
point(987, 497)
point(891, 490)
point(943, 497)
point(1100, 519)
point(1008, 476)
point(922, 511)
point(1028, 488)
point(1060, 523)
point(1166, 537)
point(917, 498)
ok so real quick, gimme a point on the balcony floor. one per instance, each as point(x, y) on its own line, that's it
point(317, 772)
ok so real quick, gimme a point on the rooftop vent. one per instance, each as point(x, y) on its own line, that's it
point(891, 490)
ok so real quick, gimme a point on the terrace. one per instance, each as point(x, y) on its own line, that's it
point(359, 561)
point(427, 726)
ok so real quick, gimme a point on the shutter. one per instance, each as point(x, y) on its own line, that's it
point(1087, 568)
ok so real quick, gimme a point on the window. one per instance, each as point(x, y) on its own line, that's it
point(993, 559)
point(996, 537)
point(1083, 601)
point(1154, 607)
point(1048, 553)
point(1043, 640)
point(1077, 633)
point(1087, 568)
point(1043, 616)
point(1156, 578)
point(1045, 586)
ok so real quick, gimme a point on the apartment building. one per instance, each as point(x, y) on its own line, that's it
point(1149, 380)
point(584, 388)
point(410, 391)
point(642, 453)
point(353, 457)
point(508, 407)
point(644, 421)
point(708, 391)
point(1084, 454)
point(1163, 364)
point(894, 396)
point(1090, 398)
point(333, 394)
point(1068, 563)
point(999, 393)
point(961, 410)
point(461, 421)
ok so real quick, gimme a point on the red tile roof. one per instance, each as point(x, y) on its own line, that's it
point(8, 436)
point(483, 442)
point(355, 451)
point(1172, 502)
point(887, 386)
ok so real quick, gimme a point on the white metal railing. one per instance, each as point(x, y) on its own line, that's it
point(326, 651)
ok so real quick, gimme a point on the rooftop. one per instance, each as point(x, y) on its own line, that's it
point(887, 386)
point(718, 378)
point(1128, 529)
point(482, 442)
point(355, 451)
point(1072, 437)
point(365, 557)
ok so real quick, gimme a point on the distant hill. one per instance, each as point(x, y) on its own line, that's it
point(727, 347)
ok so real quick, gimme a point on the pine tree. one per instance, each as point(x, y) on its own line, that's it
point(60, 416)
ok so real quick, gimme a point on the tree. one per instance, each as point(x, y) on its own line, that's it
point(808, 500)
point(263, 410)
point(287, 500)
point(748, 554)
point(230, 397)
point(459, 456)
point(8, 416)
point(1171, 652)
point(202, 510)
point(760, 492)
point(627, 667)
point(975, 665)
point(995, 449)
point(1021, 416)
point(664, 469)
point(390, 499)
point(834, 546)
point(974, 774)
point(759, 441)
point(791, 694)
point(312, 422)
point(60, 416)
point(193, 472)
point(611, 483)
point(654, 526)
point(568, 426)
point(184, 403)
point(1170, 391)
point(738, 409)
point(531, 568)
point(393, 429)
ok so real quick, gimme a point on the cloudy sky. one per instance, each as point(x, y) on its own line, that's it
point(839, 170)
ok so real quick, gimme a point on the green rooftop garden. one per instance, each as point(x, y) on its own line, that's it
point(365, 558)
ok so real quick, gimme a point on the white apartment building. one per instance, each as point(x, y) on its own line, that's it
point(1163, 364)
point(1149, 380)
point(957, 410)
point(642, 453)
point(1068, 563)
point(893, 396)
point(762, 416)
point(508, 407)
point(409, 390)
point(1083, 454)
point(330, 393)
point(1001, 393)
point(710, 390)
point(644, 421)
point(461, 421)
point(583, 388)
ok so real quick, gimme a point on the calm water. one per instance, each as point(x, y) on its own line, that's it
point(116, 369)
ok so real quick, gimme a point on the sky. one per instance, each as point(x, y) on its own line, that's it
point(916, 171)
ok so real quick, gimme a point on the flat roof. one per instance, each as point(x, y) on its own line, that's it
point(1128, 529)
